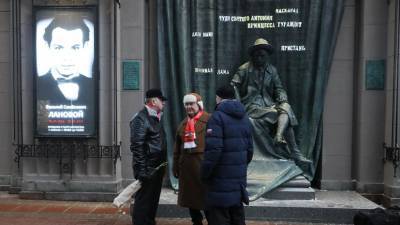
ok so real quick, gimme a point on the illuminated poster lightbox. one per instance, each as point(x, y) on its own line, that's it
point(65, 80)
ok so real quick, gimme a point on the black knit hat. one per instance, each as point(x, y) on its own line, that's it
point(226, 92)
point(155, 93)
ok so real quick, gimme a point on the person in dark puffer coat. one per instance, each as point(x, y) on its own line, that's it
point(228, 151)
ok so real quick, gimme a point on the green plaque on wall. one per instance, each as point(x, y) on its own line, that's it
point(131, 75)
point(375, 74)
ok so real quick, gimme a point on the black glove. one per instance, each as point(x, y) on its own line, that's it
point(143, 178)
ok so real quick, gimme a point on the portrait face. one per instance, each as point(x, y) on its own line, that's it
point(65, 50)
point(259, 57)
point(192, 108)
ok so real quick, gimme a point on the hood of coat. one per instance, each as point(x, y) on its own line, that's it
point(232, 107)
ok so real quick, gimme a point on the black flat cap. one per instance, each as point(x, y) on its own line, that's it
point(155, 93)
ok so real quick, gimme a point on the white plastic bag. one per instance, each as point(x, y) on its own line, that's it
point(126, 195)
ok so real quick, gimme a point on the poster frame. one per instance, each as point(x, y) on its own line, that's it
point(95, 72)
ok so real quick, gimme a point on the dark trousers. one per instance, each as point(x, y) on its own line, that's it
point(197, 217)
point(226, 216)
point(144, 209)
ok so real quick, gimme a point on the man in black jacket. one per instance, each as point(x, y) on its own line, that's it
point(148, 153)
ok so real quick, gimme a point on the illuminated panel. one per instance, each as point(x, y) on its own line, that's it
point(65, 79)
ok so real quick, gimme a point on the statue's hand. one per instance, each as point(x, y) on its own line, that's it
point(280, 140)
point(281, 98)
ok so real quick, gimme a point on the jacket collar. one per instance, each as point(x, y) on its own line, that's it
point(153, 113)
point(150, 111)
point(145, 112)
point(266, 68)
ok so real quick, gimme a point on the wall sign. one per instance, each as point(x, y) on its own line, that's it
point(375, 74)
point(131, 75)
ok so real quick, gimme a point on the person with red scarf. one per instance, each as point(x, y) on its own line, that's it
point(188, 156)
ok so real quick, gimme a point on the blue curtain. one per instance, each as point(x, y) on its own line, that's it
point(201, 44)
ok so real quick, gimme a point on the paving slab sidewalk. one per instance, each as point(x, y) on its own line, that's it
point(15, 211)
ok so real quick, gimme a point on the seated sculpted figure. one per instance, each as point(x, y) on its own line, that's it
point(259, 88)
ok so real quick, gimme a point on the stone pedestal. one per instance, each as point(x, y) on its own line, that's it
point(298, 188)
point(329, 207)
point(78, 190)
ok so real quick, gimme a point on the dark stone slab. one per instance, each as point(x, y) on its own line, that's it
point(69, 196)
point(269, 213)
point(297, 182)
point(81, 196)
point(291, 193)
point(337, 207)
point(390, 201)
point(14, 190)
point(31, 195)
point(4, 187)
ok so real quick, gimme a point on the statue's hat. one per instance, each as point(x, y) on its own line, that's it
point(261, 43)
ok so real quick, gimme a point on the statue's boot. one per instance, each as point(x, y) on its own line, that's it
point(302, 162)
point(283, 122)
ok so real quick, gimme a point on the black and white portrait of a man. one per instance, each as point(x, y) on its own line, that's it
point(66, 40)
point(65, 88)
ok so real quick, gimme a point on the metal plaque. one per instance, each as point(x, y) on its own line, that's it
point(375, 74)
point(131, 78)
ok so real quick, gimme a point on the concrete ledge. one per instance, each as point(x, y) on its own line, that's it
point(58, 186)
point(337, 185)
point(391, 195)
point(5, 182)
point(4, 187)
point(46, 2)
point(377, 198)
point(338, 207)
point(388, 201)
point(298, 188)
point(276, 213)
point(369, 188)
point(392, 191)
point(75, 190)
point(14, 190)
point(69, 196)
point(291, 194)
point(31, 195)
point(297, 182)
point(5, 179)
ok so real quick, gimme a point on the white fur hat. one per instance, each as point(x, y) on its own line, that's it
point(193, 97)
